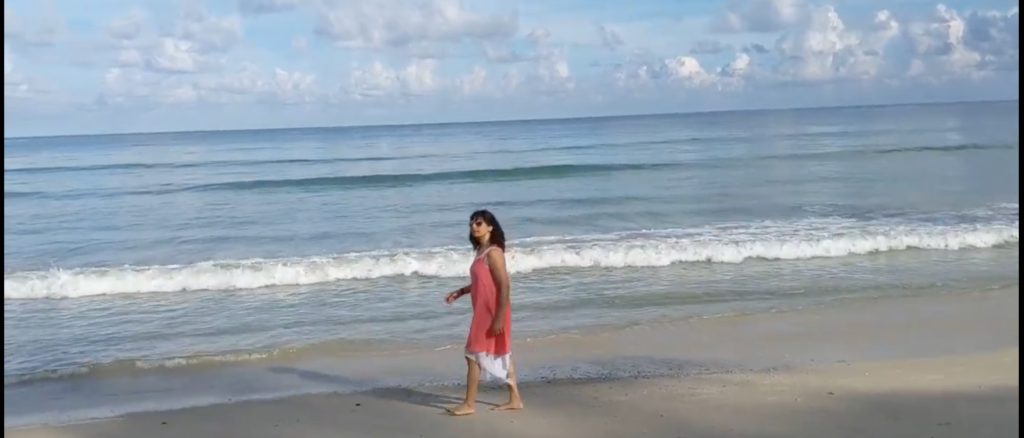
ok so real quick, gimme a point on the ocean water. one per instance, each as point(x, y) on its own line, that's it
point(159, 253)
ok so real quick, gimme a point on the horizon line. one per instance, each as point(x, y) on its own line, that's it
point(499, 121)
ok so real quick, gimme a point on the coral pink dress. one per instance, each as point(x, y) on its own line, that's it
point(491, 353)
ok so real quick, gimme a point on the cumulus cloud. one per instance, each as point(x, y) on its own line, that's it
point(172, 55)
point(736, 68)
point(826, 50)
point(949, 44)
point(552, 74)
point(409, 25)
point(208, 32)
point(187, 62)
point(679, 74)
point(372, 52)
point(813, 44)
point(546, 74)
point(193, 43)
point(548, 70)
point(473, 83)
point(249, 83)
point(376, 80)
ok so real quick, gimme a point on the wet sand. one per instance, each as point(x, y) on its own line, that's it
point(921, 367)
point(976, 396)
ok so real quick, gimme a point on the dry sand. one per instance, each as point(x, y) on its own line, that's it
point(974, 396)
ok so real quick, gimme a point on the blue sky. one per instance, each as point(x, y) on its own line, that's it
point(158, 65)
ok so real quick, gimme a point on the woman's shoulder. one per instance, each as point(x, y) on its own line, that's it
point(494, 252)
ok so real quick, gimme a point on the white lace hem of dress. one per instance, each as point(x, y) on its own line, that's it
point(491, 366)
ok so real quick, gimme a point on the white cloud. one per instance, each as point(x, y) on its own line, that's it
point(17, 85)
point(41, 31)
point(416, 79)
point(688, 71)
point(995, 34)
point(473, 83)
point(380, 54)
point(815, 45)
point(194, 42)
point(950, 45)
point(141, 88)
point(420, 26)
point(738, 67)
point(173, 55)
point(294, 87)
point(826, 50)
point(208, 32)
point(760, 16)
point(681, 74)
point(129, 27)
point(552, 74)
point(12, 79)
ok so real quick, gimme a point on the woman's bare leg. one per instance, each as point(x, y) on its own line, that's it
point(468, 407)
point(514, 401)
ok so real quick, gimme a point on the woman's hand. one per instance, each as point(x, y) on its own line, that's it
point(497, 326)
point(451, 297)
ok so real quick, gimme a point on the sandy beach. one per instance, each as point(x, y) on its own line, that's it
point(976, 396)
point(915, 367)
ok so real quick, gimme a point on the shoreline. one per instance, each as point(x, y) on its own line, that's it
point(346, 348)
point(944, 396)
point(863, 331)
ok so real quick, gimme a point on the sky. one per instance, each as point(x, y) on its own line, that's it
point(109, 66)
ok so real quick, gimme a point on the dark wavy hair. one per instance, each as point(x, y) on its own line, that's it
point(497, 233)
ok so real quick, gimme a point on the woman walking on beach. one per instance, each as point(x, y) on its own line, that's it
point(488, 346)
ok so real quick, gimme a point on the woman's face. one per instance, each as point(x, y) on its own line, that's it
point(479, 229)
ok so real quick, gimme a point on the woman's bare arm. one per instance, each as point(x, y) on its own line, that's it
point(496, 261)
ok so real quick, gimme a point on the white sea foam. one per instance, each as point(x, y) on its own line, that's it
point(113, 367)
point(724, 243)
point(46, 375)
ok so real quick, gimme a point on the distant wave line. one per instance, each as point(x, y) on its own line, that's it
point(500, 174)
point(241, 163)
point(405, 179)
point(965, 147)
point(14, 194)
point(162, 166)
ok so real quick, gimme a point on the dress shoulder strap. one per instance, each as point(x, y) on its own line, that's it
point(489, 248)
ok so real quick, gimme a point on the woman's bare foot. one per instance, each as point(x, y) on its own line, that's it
point(462, 410)
point(513, 404)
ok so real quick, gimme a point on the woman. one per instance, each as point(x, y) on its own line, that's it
point(488, 347)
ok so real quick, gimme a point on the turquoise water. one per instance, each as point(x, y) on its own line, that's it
point(138, 253)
